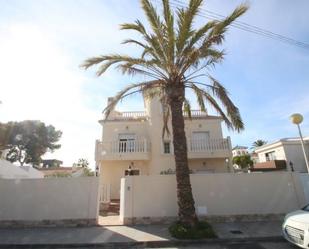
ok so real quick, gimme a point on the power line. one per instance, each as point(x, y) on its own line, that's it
point(244, 26)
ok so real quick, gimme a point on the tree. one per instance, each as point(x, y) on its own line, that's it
point(5, 131)
point(174, 57)
point(82, 162)
point(243, 161)
point(29, 140)
point(258, 143)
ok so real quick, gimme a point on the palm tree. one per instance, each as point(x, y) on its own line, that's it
point(258, 143)
point(174, 57)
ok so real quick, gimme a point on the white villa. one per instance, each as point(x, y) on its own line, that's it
point(288, 150)
point(240, 150)
point(132, 141)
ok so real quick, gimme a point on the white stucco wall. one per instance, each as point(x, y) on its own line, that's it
point(220, 194)
point(294, 154)
point(48, 199)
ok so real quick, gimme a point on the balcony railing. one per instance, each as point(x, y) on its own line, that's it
point(196, 113)
point(124, 149)
point(204, 145)
point(142, 115)
point(129, 115)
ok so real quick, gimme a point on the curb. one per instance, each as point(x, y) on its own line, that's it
point(145, 244)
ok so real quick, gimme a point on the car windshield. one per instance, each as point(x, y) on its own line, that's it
point(306, 208)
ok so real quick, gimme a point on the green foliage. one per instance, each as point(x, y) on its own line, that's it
point(5, 131)
point(202, 230)
point(258, 143)
point(88, 172)
point(82, 162)
point(243, 161)
point(30, 139)
point(59, 174)
point(175, 54)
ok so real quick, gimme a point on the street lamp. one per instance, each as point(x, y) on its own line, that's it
point(297, 118)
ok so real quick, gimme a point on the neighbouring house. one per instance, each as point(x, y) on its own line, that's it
point(240, 150)
point(62, 171)
point(51, 163)
point(284, 154)
point(11, 171)
point(254, 157)
point(132, 143)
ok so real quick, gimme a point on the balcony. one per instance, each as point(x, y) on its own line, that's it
point(136, 115)
point(122, 150)
point(270, 165)
point(196, 114)
point(209, 148)
point(142, 115)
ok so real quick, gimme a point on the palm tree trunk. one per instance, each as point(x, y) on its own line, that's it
point(186, 209)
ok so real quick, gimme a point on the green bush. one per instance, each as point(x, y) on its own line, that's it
point(202, 230)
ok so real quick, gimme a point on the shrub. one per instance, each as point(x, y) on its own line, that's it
point(202, 230)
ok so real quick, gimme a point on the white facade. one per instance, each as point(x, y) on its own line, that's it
point(11, 171)
point(240, 150)
point(133, 141)
point(288, 149)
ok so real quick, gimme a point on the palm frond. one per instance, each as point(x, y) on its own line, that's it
point(217, 33)
point(185, 21)
point(169, 22)
point(214, 104)
point(137, 26)
point(132, 41)
point(166, 115)
point(199, 98)
point(156, 25)
point(233, 112)
point(187, 107)
point(126, 92)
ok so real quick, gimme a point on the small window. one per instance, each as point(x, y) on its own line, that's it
point(167, 147)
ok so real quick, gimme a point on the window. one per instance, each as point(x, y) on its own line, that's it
point(126, 143)
point(132, 172)
point(270, 156)
point(167, 147)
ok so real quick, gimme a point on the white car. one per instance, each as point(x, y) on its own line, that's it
point(295, 227)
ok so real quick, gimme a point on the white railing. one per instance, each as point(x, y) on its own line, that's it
point(116, 147)
point(130, 115)
point(196, 113)
point(201, 145)
point(105, 193)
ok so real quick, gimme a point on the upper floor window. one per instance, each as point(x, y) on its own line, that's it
point(270, 156)
point(126, 142)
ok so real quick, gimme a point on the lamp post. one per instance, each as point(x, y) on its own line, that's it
point(297, 118)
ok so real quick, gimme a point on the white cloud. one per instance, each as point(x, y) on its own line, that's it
point(38, 81)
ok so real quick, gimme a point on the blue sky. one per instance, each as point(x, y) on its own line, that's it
point(42, 44)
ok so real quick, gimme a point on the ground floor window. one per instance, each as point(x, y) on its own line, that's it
point(132, 172)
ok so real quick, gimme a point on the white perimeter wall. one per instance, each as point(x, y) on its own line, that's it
point(215, 194)
point(49, 199)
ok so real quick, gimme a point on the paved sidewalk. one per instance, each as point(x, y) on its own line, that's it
point(129, 234)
